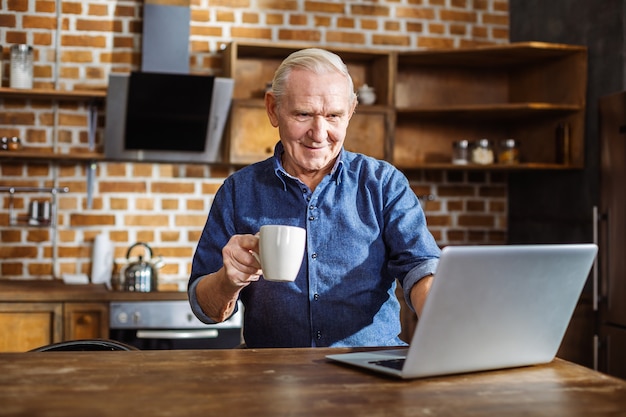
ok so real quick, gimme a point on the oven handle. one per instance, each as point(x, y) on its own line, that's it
point(178, 334)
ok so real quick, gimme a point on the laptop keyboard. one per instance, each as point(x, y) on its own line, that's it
point(390, 363)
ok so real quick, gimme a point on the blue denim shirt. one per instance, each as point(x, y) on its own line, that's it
point(365, 229)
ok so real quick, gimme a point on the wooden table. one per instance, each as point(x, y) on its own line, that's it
point(285, 382)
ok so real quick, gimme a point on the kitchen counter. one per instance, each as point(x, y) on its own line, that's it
point(57, 290)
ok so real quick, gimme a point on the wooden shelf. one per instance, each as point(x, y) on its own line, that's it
point(80, 95)
point(507, 111)
point(49, 157)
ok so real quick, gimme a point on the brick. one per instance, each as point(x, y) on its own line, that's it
point(251, 33)
point(97, 41)
point(395, 40)
point(392, 26)
point(77, 220)
point(457, 16)
point(42, 39)
point(38, 235)
point(187, 220)
point(71, 7)
point(146, 236)
point(324, 7)
point(145, 220)
point(250, 18)
point(40, 269)
point(98, 10)
point(169, 204)
point(144, 203)
point(274, 19)
point(475, 220)
point(172, 188)
point(122, 187)
point(368, 10)
point(99, 25)
point(496, 19)
point(345, 37)
point(35, 22)
point(210, 188)
point(231, 3)
point(76, 56)
point(125, 11)
point(224, 16)
point(370, 24)
point(430, 42)
point(7, 21)
point(415, 13)
point(17, 5)
point(298, 20)
point(10, 236)
point(277, 4)
point(170, 236)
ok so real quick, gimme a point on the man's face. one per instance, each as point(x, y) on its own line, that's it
point(312, 119)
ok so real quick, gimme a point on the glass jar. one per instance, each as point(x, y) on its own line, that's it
point(482, 152)
point(508, 151)
point(460, 152)
point(21, 66)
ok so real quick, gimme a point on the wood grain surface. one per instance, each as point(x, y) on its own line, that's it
point(285, 382)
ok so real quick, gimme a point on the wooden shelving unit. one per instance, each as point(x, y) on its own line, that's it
point(426, 100)
point(522, 91)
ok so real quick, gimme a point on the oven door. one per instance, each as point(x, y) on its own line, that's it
point(150, 325)
point(170, 339)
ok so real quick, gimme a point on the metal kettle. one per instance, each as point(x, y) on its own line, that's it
point(141, 276)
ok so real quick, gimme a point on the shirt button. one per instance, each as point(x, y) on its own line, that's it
point(316, 297)
point(311, 207)
point(314, 256)
point(318, 335)
point(311, 218)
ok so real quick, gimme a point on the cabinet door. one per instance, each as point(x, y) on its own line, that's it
point(25, 326)
point(85, 321)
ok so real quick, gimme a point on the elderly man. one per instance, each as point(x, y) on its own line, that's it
point(365, 227)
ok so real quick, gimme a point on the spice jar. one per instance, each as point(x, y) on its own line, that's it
point(482, 153)
point(460, 152)
point(21, 66)
point(508, 152)
point(14, 144)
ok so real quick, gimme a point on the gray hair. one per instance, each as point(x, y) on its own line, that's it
point(316, 60)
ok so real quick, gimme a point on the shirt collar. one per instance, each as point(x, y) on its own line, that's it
point(335, 173)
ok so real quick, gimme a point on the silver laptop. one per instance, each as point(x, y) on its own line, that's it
point(490, 307)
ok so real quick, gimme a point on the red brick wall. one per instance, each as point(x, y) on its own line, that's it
point(78, 43)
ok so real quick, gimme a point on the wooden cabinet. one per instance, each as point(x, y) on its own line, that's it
point(523, 91)
point(85, 321)
point(28, 325)
point(251, 138)
point(25, 326)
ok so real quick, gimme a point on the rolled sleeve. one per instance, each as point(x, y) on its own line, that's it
point(426, 268)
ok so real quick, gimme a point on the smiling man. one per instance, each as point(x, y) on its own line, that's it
point(365, 226)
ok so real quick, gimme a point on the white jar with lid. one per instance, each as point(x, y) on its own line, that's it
point(21, 66)
point(482, 153)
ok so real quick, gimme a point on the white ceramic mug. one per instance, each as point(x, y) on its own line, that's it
point(281, 249)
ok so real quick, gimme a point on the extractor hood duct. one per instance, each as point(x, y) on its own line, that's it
point(165, 44)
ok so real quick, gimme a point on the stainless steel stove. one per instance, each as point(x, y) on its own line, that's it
point(150, 325)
